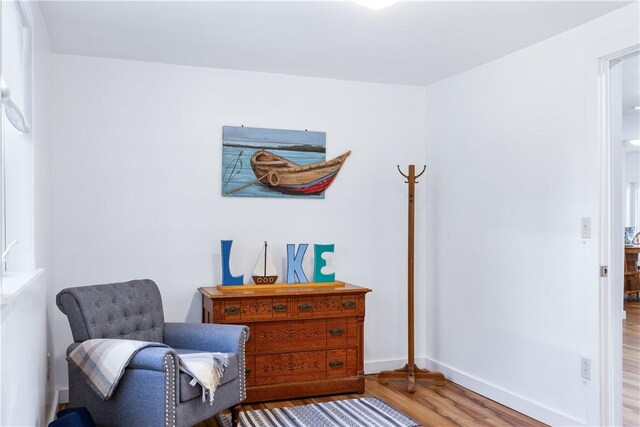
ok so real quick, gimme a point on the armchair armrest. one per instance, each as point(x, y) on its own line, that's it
point(205, 336)
point(150, 358)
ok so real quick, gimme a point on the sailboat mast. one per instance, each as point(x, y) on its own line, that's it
point(265, 258)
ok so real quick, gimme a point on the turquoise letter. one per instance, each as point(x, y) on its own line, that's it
point(294, 263)
point(227, 278)
point(319, 262)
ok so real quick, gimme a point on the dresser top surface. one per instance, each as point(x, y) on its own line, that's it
point(214, 293)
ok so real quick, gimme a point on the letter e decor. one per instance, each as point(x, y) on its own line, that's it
point(319, 262)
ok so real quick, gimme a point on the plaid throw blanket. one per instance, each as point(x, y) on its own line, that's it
point(103, 361)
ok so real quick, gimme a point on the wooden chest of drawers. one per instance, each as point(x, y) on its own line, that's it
point(305, 341)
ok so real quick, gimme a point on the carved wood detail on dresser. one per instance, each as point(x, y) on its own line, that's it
point(304, 341)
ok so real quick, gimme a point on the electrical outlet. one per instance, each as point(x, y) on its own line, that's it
point(585, 368)
point(585, 227)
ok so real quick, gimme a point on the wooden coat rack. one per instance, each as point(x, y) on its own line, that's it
point(410, 370)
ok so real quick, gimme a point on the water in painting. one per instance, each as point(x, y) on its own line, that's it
point(239, 144)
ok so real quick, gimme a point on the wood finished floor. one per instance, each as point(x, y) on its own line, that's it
point(631, 364)
point(450, 405)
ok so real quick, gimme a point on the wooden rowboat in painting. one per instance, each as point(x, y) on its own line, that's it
point(288, 177)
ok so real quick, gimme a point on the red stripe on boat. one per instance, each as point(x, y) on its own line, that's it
point(314, 189)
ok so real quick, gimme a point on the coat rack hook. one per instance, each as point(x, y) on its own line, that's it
point(398, 166)
point(424, 168)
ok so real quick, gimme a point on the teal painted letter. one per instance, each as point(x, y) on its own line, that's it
point(294, 263)
point(319, 262)
point(227, 277)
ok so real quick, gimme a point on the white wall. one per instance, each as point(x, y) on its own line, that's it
point(136, 185)
point(24, 346)
point(632, 166)
point(23, 322)
point(630, 126)
point(515, 160)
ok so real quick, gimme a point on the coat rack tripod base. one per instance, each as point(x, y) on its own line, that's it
point(410, 371)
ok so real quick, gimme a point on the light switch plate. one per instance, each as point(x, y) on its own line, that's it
point(586, 227)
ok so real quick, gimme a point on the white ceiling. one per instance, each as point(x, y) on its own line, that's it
point(414, 43)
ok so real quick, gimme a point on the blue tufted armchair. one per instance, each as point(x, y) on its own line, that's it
point(152, 391)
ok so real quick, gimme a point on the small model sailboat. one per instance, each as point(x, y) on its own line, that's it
point(265, 271)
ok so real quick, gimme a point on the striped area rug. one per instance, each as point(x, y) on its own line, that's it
point(364, 412)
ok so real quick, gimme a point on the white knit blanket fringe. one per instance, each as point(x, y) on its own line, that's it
point(206, 369)
point(103, 361)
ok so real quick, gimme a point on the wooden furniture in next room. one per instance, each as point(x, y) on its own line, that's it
point(631, 273)
point(305, 340)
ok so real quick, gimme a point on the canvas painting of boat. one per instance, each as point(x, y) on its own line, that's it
point(260, 162)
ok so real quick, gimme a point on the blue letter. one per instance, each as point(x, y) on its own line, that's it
point(320, 262)
point(294, 263)
point(227, 278)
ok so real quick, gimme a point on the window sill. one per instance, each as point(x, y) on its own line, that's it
point(15, 282)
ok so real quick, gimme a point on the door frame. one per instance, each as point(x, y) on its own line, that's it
point(612, 240)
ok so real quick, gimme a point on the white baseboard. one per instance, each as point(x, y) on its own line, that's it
point(375, 366)
point(507, 398)
point(63, 395)
point(53, 401)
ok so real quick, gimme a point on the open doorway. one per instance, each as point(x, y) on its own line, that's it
point(629, 73)
point(620, 350)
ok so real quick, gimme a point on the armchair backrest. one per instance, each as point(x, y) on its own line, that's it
point(129, 310)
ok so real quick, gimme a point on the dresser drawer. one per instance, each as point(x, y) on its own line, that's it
point(230, 311)
point(335, 304)
point(280, 308)
point(342, 331)
point(290, 367)
point(337, 332)
point(303, 307)
point(341, 363)
point(256, 309)
point(330, 305)
point(349, 305)
point(253, 309)
point(260, 309)
point(291, 335)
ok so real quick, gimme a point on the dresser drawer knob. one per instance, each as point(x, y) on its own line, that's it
point(232, 310)
point(336, 331)
point(305, 307)
point(247, 371)
point(336, 364)
point(280, 308)
point(348, 304)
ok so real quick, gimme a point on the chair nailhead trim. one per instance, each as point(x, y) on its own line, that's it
point(241, 365)
point(170, 391)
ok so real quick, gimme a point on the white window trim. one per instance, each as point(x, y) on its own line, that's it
point(12, 282)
